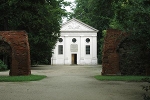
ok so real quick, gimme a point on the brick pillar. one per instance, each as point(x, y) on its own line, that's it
point(110, 57)
point(20, 55)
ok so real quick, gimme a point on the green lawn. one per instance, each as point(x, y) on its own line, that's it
point(21, 78)
point(121, 78)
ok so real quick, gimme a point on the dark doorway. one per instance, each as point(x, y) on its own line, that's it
point(74, 59)
point(6, 59)
point(5, 53)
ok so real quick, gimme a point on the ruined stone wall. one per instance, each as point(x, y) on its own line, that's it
point(110, 57)
point(20, 52)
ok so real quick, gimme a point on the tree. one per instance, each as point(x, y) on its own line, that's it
point(132, 17)
point(40, 18)
point(97, 13)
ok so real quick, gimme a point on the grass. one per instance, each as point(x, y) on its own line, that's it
point(21, 78)
point(121, 78)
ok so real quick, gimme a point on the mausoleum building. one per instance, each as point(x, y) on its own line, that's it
point(77, 44)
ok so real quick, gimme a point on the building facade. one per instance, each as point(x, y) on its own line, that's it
point(77, 44)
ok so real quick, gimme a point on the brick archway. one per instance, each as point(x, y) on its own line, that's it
point(20, 52)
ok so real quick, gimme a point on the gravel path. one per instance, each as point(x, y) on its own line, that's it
point(70, 83)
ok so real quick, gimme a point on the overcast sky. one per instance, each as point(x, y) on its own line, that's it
point(68, 8)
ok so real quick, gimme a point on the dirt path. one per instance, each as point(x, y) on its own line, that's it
point(70, 83)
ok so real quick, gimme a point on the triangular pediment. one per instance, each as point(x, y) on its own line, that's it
point(76, 25)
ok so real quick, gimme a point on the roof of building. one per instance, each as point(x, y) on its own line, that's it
point(77, 25)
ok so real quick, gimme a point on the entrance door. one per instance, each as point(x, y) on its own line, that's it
point(74, 58)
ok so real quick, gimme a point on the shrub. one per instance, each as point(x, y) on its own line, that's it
point(2, 66)
point(134, 57)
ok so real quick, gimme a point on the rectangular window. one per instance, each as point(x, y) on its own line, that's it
point(87, 49)
point(60, 49)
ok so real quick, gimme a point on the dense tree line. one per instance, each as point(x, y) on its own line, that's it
point(130, 16)
point(97, 13)
point(133, 16)
point(41, 19)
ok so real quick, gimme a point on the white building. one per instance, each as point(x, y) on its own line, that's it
point(77, 44)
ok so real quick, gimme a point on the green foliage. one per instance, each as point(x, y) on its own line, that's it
point(21, 78)
point(2, 66)
point(41, 19)
point(133, 57)
point(101, 46)
point(132, 16)
point(96, 13)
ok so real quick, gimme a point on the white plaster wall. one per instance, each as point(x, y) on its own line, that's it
point(80, 31)
point(82, 57)
point(68, 52)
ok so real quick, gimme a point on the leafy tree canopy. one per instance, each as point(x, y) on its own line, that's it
point(40, 18)
point(97, 13)
point(132, 16)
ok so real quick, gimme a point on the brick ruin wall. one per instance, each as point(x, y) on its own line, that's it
point(20, 52)
point(110, 56)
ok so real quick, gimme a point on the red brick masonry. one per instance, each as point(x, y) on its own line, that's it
point(110, 59)
point(20, 52)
